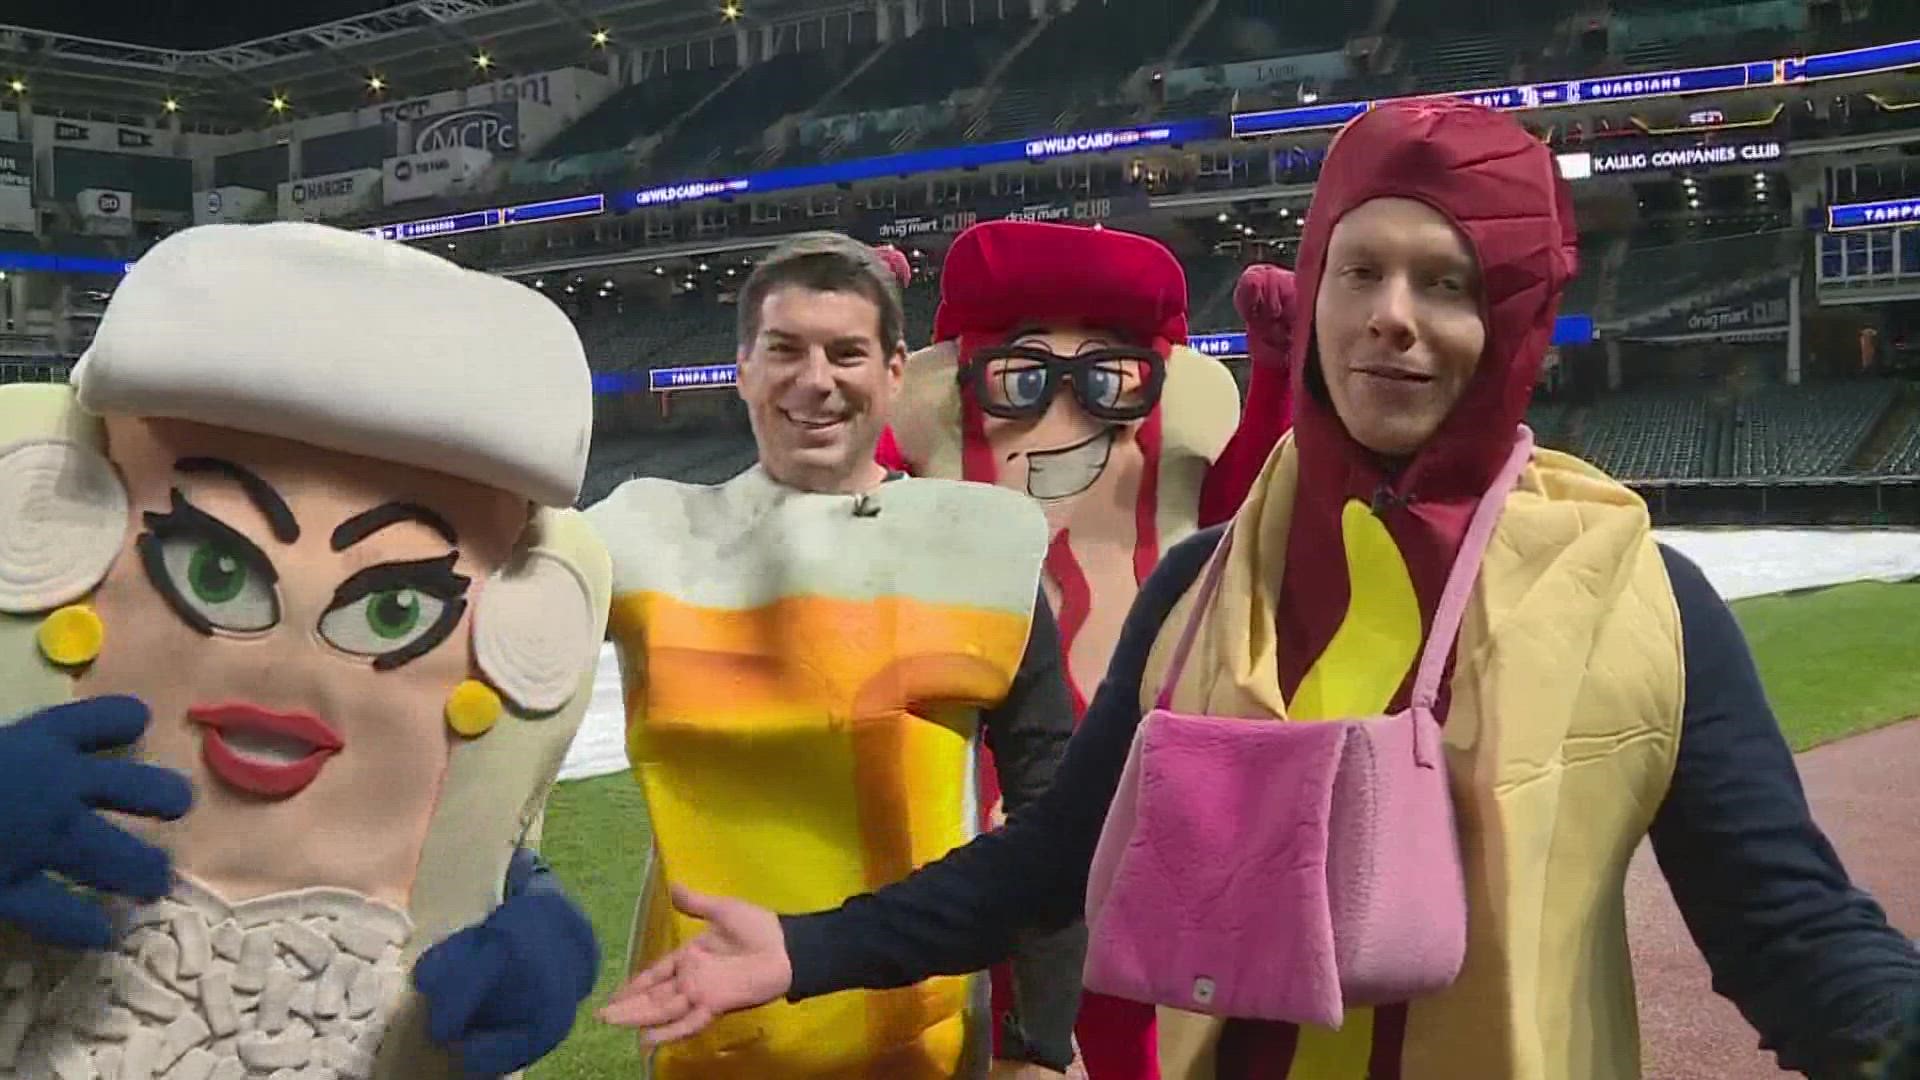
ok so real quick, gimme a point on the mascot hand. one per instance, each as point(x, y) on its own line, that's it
point(1265, 300)
point(52, 789)
point(504, 993)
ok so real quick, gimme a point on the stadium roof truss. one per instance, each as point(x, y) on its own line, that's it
point(416, 49)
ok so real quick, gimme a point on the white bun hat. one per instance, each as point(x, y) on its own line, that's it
point(350, 343)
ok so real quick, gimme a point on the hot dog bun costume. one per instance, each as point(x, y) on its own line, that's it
point(803, 676)
point(1114, 450)
point(307, 498)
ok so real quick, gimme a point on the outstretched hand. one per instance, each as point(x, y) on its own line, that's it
point(738, 962)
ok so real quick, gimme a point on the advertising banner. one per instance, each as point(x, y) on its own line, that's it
point(316, 198)
point(1650, 156)
point(494, 128)
point(106, 212)
point(232, 204)
point(16, 187)
point(423, 176)
point(1760, 311)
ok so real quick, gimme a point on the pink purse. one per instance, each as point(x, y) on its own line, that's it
point(1286, 871)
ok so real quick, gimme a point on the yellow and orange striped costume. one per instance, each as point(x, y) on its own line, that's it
point(803, 675)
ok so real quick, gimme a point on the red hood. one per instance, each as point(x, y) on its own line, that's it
point(1501, 188)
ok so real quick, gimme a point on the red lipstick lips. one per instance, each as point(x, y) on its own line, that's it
point(245, 746)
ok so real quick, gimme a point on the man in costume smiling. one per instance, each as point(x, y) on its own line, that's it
point(812, 653)
point(326, 547)
point(1262, 815)
point(1061, 370)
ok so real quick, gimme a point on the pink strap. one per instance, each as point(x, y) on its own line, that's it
point(1466, 570)
point(1453, 599)
point(1200, 604)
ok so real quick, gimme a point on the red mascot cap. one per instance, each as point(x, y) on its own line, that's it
point(1002, 275)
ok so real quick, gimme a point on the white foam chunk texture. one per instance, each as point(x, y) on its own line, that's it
point(63, 518)
point(299, 986)
point(533, 631)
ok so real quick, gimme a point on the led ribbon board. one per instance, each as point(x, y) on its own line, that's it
point(1567, 330)
point(499, 217)
point(1646, 85)
point(920, 161)
point(1872, 215)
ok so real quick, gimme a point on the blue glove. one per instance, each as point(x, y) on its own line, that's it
point(51, 787)
point(505, 992)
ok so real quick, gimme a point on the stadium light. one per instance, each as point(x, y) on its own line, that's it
point(600, 39)
point(277, 103)
point(18, 86)
point(730, 12)
point(376, 84)
point(171, 105)
point(482, 61)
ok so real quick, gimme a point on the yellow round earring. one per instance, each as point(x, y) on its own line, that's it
point(473, 708)
point(72, 636)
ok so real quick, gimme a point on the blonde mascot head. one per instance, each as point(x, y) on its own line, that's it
point(307, 498)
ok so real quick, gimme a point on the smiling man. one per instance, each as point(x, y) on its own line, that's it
point(319, 569)
point(811, 652)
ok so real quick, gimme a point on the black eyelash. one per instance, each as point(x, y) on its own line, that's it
point(188, 520)
point(435, 577)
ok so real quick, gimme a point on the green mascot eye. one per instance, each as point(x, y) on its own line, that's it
point(382, 622)
point(215, 575)
point(216, 584)
point(394, 613)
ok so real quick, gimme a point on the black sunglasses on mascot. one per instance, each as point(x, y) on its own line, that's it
point(1018, 382)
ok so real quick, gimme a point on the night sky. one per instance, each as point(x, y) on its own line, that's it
point(180, 24)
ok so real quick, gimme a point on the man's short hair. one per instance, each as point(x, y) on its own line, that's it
point(824, 262)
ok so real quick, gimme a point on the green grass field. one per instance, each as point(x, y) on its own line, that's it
point(1835, 661)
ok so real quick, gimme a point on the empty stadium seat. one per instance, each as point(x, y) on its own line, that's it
point(1806, 431)
point(1653, 434)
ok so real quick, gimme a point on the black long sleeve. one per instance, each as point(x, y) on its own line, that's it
point(966, 911)
point(1808, 958)
point(1029, 729)
point(1028, 733)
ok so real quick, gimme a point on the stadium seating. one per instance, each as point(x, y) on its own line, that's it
point(1647, 434)
point(690, 456)
point(1655, 276)
point(635, 111)
point(726, 135)
point(1903, 457)
point(928, 66)
point(1806, 430)
point(1259, 29)
point(1090, 49)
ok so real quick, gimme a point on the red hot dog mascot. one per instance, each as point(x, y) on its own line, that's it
point(1060, 368)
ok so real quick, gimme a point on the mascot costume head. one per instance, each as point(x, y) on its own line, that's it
point(328, 543)
point(1061, 369)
